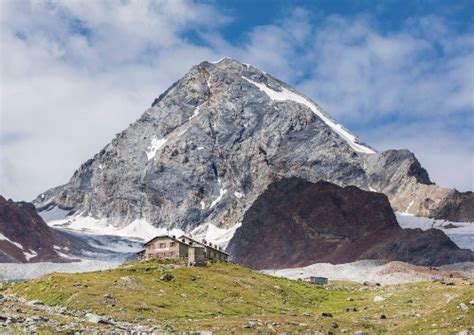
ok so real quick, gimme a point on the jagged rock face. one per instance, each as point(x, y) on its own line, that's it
point(297, 223)
point(24, 237)
point(399, 175)
point(458, 206)
point(208, 147)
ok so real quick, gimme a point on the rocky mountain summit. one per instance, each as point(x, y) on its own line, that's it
point(298, 223)
point(213, 142)
point(24, 237)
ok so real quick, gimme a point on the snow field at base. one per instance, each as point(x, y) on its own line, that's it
point(116, 244)
point(462, 233)
point(128, 240)
point(27, 271)
point(215, 235)
point(285, 95)
point(139, 229)
point(54, 213)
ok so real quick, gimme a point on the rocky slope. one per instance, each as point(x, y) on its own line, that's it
point(297, 223)
point(24, 237)
point(214, 141)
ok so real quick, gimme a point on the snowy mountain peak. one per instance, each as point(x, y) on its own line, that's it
point(212, 142)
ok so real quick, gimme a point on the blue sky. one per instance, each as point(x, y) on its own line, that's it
point(397, 73)
point(388, 15)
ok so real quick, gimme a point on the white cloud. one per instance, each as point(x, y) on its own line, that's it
point(75, 73)
point(447, 155)
point(361, 74)
point(67, 94)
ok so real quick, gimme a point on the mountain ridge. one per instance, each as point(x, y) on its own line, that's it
point(25, 237)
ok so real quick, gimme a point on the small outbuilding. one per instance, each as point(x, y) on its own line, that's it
point(318, 280)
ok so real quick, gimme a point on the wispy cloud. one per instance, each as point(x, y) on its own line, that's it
point(75, 73)
point(447, 154)
point(412, 88)
point(362, 74)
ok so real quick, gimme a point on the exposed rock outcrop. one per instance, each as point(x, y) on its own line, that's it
point(399, 175)
point(458, 206)
point(24, 237)
point(297, 223)
point(214, 141)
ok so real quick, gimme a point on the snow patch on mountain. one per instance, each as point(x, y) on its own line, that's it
point(238, 195)
point(196, 111)
point(222, 191)
point(139, 228)
point(214, 234)
point(409, 206)
point(4, 238)
point(154, 146)
point(285, 95)
point(220, 60)
point(29, 255)
point(63, 255)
